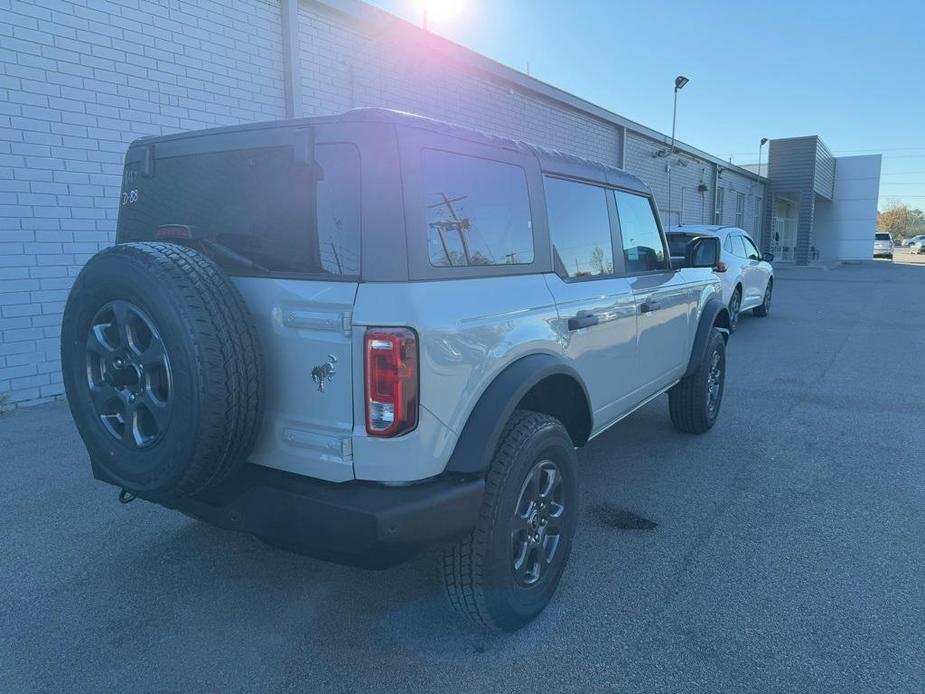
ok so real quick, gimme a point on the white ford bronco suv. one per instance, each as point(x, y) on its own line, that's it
point(361, 335)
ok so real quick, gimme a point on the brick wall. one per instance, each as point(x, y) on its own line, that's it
point(79, 80)
point(343, 67)
point(687, 174)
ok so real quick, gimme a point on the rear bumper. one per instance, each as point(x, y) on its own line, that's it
point(357, 523)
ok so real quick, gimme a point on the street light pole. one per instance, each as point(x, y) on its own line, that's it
point(679, 83)
point(764, 141)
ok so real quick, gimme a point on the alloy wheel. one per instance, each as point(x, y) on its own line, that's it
point(734, 303)
point(129, 375)
point(536, 530)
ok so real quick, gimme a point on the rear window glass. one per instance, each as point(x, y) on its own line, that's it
point(253, 211)
point(477, 211)
point(883, 237)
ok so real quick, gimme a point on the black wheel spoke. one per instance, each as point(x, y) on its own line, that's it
point(521, 555)
point(130, 434)
point(549, 478)
point(153, 354)
point(536, 483)
point(158, 410)
point(542, 554)
point(97, 342)
point(121, 315)
point(554, 519)
point(102, 395)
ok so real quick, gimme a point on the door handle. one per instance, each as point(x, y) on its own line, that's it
point(649, 306)
point(582, 320)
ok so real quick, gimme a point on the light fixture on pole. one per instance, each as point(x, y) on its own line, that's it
point(679, 83)
point(764, 141)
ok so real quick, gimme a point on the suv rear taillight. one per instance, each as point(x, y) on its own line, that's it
point(391, 381)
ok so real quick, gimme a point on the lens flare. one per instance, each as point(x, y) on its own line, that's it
point(439, 11)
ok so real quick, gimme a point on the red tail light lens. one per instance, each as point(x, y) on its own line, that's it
point(720, 267)
point(391, 381)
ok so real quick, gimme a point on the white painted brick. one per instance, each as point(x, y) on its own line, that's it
point(83, 78)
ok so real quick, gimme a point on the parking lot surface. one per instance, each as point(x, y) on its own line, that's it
point(783, 551)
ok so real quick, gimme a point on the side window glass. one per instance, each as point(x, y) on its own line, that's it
point(643, 249)
point(738, 248)
point(477, 210)
point(751, 252)
point(727, 244)
point(579, 226)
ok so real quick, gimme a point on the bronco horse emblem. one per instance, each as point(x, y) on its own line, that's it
point(324, 373)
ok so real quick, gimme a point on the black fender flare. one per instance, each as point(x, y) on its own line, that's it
point(476, 445)
point(714, 309)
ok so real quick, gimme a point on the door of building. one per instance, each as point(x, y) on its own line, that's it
point(784, 233)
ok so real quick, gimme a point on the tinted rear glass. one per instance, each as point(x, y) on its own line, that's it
point(883, 237)
point(477, 211)
point(255, 211)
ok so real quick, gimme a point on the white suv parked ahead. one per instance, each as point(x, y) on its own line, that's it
point(883, 245)
point(747, 274)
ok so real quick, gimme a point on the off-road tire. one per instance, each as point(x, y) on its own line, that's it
point(216, 393)
point(477, 571)
point(764, 308)
point(688, 401)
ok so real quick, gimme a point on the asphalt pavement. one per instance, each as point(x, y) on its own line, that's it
point(782, 552)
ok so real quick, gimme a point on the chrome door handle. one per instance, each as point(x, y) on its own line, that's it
point(649, 306)
point(582, 320)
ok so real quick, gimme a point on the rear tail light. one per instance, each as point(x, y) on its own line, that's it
point(720, 267)
point(391, 381)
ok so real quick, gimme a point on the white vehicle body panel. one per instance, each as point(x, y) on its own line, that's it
point(463, 347)
point(749, 274)
point(303, 324)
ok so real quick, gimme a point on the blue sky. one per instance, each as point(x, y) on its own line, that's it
point(864, 90)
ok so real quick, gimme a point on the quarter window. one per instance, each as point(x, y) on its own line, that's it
point(579, 225)
point(643, 249)
point(477, 211)
point(738, 247)
point(751, 251)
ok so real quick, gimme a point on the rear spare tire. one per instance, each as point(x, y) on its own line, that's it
point(162, 368)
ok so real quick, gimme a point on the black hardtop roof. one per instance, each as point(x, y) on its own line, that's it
point(551, 160)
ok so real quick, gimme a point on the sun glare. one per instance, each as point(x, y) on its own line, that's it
point(442, 10)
